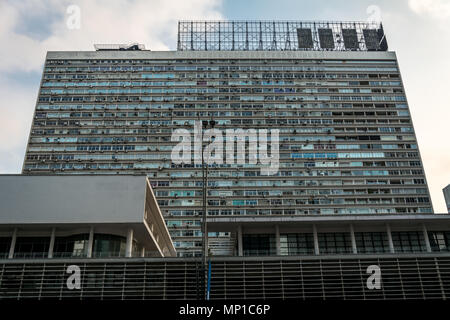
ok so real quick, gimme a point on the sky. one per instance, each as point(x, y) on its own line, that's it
point(417, 30)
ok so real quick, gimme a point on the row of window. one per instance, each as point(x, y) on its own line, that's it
point(222, 106)
point(297, 202)
point(169, 90)
point(279, 78)
point(134, 68)
point(218, 83)
point(172, 214)
point(232, 120)
point(340, 243)
point(290, 211)
point(200, 98)
point(72, 246)
point(206, 62)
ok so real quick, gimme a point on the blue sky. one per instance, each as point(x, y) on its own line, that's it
point(418, 30)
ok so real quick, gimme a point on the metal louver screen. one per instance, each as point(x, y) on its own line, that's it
point(407, 277)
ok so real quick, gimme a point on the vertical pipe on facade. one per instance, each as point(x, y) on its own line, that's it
point(208, 287)
point(90, 243)
point(277, 240)
point(316, 240)
point(425, 236)
point(52, 243)
point(352, 235)
point(13, 244)
point(240, 246)
point(389, 235)
point(129, 244)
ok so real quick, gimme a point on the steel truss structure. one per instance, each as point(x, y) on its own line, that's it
point(280, 35)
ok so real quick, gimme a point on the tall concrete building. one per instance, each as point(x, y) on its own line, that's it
point(333, 90)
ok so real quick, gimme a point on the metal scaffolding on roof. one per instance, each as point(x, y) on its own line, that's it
point(280, 36)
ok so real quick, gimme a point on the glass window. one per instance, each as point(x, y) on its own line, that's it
point(109, 245)
point(411, 241)
point(371, 242)
point(259, 244)
point(5, 245)
point(71, 246)
point(439, 240)
point(334, 243)
point(31, 247)
point(296, 244)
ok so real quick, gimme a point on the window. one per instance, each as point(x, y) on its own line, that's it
point(109, 245)
point(439, 240)
point(259, 245)
point(71, 246)
point(371, 242)
point(332, 243)
point(296, 244)
point(31, 247)
point(5, 244)
point(408, 241)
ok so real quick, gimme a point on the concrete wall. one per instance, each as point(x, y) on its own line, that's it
point(72, 199)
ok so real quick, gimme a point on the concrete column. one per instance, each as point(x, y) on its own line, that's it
point(143, 252)
point(129, 245)
point(90, 247)
point(389, 235)
point(316, 241)
point(427, 240)
point(13, 244)
point(239, 239)
point(277, 240)
point(52, 243)
point(352, 236)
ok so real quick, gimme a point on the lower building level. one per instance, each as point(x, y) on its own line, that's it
point(342, 277)
point(336, 234)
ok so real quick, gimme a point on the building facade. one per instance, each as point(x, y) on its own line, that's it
point(335, 93)
point(62, 216)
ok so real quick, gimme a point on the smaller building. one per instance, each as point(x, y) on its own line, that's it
point(81, 217)
point(379, 234)
point(446, 191)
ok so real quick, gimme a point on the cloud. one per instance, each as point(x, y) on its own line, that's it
point(16, 112)
point(152, 22)
point(435, 8)
point(30, 28)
